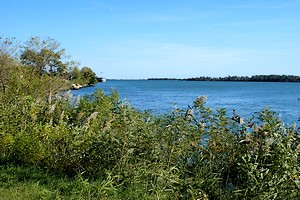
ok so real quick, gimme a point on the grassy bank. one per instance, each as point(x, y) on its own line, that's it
point(98, 147)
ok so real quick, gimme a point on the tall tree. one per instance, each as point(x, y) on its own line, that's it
point(45, 55)
point(8, 53)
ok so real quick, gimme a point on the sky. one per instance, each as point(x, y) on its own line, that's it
point(138, 39)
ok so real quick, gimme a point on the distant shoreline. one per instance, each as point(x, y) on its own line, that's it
point(255, 78)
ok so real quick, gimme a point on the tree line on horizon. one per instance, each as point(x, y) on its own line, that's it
point(254, 78)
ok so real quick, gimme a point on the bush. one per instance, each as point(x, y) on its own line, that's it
point(196, 153)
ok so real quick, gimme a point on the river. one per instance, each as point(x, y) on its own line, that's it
point(161, 96)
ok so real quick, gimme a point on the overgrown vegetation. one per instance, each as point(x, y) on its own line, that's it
point(43, 58)
point(97, 147)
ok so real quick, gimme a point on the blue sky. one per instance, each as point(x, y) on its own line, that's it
point(132, 39)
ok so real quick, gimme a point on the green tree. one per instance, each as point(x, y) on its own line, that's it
point(8, 49)
point(75, 74)
point(89, 75)
point(45, 55)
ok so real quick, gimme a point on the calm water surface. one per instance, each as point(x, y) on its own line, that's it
point(245, 97)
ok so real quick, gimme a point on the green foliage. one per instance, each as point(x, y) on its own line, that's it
point(75, 74)
point(256, 78)
point(7, 62)
point(118, 152)
point(85, 76)
point(97, 147)
point(35, 183)
point(40, 57)
point(89, 75)
point(44, 55)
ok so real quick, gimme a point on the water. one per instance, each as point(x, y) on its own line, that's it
point(245, 97)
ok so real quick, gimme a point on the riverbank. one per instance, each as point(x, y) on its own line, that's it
point(100, 147)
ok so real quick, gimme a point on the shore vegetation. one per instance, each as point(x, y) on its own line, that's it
point(55, 146)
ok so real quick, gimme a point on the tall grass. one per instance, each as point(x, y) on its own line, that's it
point(97, 147)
